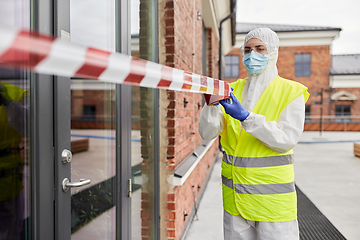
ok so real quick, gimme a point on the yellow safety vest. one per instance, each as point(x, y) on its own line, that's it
point(258, 183)
point(10, 164)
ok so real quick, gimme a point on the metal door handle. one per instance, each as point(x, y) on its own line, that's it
point(66, 184)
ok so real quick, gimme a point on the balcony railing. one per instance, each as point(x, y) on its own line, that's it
point(332, 123)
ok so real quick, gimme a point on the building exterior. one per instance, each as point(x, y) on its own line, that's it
point(345, 77)
point(135, 152)
point(305, 56)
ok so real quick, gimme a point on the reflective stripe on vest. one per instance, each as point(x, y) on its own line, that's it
point(259, 188)
point(260, 161)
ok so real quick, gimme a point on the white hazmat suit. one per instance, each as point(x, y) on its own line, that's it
point(280, 136)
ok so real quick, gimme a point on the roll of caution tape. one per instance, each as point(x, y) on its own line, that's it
point(48, 55)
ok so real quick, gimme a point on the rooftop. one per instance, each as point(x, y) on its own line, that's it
point(346, 64)
point(244, 28)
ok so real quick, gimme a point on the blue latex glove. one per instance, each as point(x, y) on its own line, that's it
point(234, 109)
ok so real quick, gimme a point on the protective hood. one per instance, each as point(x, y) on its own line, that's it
point(257, 83)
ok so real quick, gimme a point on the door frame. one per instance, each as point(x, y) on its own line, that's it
point(41, 132)
point(123, 126)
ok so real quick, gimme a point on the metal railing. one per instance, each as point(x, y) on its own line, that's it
point(343, 121)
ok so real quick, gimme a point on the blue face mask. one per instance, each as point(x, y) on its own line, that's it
point(256, 62)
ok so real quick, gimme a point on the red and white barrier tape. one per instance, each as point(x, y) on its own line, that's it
point(49, 55)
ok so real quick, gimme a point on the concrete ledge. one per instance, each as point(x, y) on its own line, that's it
point(183, 171)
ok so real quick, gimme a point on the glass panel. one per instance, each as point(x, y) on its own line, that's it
point(306, 70)
point(235, 71)
point(227, 60)
point(347, 110)
point(93, 215)
point(303, 65)
point(235, 59)
point(15, 162)
point(298, 69)
point(306, 58)
point(298, 58)
point(143, 116)
point(227, 71)
point(338, 110)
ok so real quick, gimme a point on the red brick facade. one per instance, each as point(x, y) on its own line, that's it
point(94, 99)
point(319, 77)
point(180, 47)
point(212, 54)
point(184, 195)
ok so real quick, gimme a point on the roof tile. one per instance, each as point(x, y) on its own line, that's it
point(345, 64)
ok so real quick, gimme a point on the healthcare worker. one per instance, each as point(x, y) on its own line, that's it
point(258, 128)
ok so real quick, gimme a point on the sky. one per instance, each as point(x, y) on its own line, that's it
point(342, 14)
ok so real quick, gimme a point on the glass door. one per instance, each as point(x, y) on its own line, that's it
point(91, 187)
point(65, 148)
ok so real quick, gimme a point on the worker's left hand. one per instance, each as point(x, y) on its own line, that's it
point(234, 109)
point(4, 96)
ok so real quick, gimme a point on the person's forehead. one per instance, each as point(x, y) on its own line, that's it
point(254, 42)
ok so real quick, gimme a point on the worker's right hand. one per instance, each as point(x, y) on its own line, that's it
point(5, 99)
point(234, 109)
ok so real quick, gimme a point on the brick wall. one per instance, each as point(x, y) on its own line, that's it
point(180, 46)
point(212, 54)
point(320, 66)
point(182, 197)
point(98, 99)
point(355, 105)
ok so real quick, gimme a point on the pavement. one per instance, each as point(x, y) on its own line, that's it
point(326, 171)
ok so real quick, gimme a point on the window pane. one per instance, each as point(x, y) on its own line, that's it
point(235, 71)
point(306, 70)
point(306, 58)
point(342, 110)
point(302, 65)
point(231, 66)
point(227, 60)
point(235, 59)
point(347, 110)
point(227, 72)
point(298, 69)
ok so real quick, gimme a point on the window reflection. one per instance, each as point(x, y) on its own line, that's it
point(143, 224)
point(93, 208)
point(15, 162)
point(14, 158)
point(92, 23)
